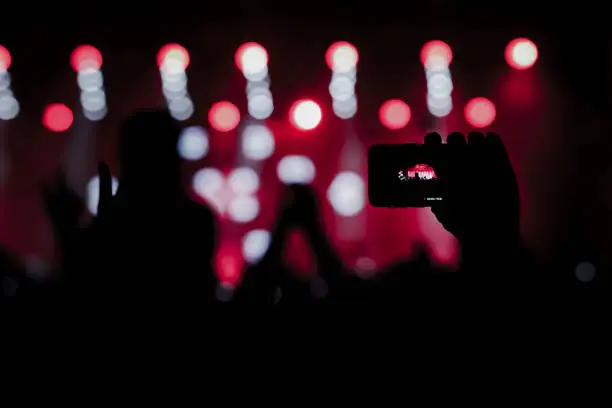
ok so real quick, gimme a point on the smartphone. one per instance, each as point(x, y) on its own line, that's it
point(404, 175)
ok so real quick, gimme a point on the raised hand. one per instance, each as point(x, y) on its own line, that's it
point(105, 196)
point(302, 207)
point(481, 200)
point(481, 203)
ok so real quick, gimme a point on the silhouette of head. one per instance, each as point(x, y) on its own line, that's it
point(147, 151)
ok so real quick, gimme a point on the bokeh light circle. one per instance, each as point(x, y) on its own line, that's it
point(305, 114)
point(224, 116)
point(521, 53)
point(251, 57)
point(480, 112)
point(342, 57)
point(5, 59)
point(57, 117)
point(173, 58)
point(394, 114)
point(86, 57)
point(436, 51)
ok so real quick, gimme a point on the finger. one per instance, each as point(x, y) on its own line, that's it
point(456, 139)
point(105, 187)
point(499, 162)
point(433, 138)
point(442, 214)
point(496, 146)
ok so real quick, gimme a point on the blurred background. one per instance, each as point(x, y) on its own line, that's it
point(272, 93)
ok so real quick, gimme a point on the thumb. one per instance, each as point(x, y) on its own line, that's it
point(105, 188)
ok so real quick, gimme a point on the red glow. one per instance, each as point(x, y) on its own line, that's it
point(436, 49)
point(342, 56)
point(5, 59)
point(57, 117)
point(521, 53)
point(480, 112)
point(228, 264)
point(248, 50)
point(85, 57)
point(173, 56)
point(305, 114)
point(394, 114)
point(224, 116)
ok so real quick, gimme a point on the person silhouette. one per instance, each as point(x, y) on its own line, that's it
point(151, 241)
point(333, 282)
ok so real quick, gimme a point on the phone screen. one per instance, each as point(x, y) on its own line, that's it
point(403, 175)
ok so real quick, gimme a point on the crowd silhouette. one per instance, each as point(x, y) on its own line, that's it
point(151, 245)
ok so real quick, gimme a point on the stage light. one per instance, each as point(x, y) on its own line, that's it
point(305, 114)
point(521, 53)
point(257, 142)
point(480, 112)
point(436, 55)
point(342, 57)
point(345, 109)
point(173, 59)
point(346, 194)
point(209, 184)
point(252, 59)
point(86, 60)
point(9, 107)
point(255, 244)
point(394, 114)
point(57, 117)
point(342, 87)
point(243, 181)
point(296, 169)
point(193, 143)
point(86, 57)
point(585, 272)
point(228, 267)
point(224, 116)
point(5, 59)
point(243, 209)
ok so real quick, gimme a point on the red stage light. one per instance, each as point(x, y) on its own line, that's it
point(436, 50)
point(251, 57)
point(224, 116)
point(173, 57)
point(57, 117)
point(5, 59)
point(521, 53)
point(480, 112)
point(85, 57)
point(305, 114)
point(394, 114)
point(342, 57)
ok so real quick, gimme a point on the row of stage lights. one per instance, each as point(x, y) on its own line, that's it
point(234, 195)
point(252, 59)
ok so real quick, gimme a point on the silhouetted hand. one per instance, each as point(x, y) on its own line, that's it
point(302, 207)
point(63, 206)
point(105, 193)
point(481, 203)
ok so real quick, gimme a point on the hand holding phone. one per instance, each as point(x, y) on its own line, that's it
point(470, 184)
